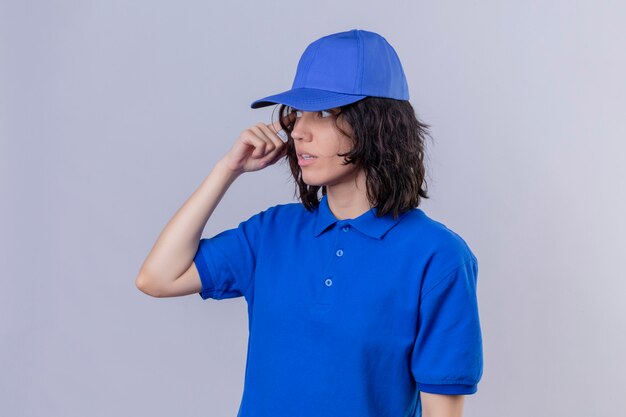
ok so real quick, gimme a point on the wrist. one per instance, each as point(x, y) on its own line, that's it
point(224, 168)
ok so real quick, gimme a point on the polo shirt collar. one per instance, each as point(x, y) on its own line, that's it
point(366, 223)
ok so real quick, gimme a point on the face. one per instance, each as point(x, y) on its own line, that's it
point(315, 134)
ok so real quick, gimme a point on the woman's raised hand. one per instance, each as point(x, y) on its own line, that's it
point(257, 147)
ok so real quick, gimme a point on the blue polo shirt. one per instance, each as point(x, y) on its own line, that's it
point(349, 317)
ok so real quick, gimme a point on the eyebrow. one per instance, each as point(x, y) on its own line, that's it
point(332, 110)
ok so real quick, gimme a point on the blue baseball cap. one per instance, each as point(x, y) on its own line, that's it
point(341, 69)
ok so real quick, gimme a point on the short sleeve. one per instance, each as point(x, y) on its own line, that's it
point(447, 356)
point(226, 261)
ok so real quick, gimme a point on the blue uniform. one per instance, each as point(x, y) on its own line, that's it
point(349, 317)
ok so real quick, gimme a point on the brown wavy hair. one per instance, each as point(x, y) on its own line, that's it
point(388, 143)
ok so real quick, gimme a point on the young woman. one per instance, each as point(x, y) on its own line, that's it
point(359, 303)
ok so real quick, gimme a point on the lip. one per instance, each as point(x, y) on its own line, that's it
point(304, 162)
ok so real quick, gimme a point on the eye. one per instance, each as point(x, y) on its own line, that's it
point(324, 113)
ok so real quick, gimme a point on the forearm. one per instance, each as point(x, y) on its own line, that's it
point(177, 243)
point(439, 405)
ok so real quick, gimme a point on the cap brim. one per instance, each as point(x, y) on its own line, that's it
point(308, 99)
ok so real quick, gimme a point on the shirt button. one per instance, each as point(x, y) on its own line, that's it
point(328, 282)
point(339, 252)
point(345, 228)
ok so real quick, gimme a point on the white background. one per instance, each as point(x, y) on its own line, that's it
point(112, 113)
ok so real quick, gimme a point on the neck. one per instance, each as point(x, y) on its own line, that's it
point(348, 200)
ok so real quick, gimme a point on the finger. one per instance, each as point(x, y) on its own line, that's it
point(261, 130)
point(255, 141)
point(277, 140)
point(278, 154)
point(275, 126)
point(264, 135)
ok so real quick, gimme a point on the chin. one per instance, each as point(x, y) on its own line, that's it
point(312, 181)
point(324, 177)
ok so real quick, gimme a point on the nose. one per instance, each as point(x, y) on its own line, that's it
point(301, 128)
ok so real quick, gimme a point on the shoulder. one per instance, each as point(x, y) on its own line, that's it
point(280, 215)
point(436, 241)
point(442, 254)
